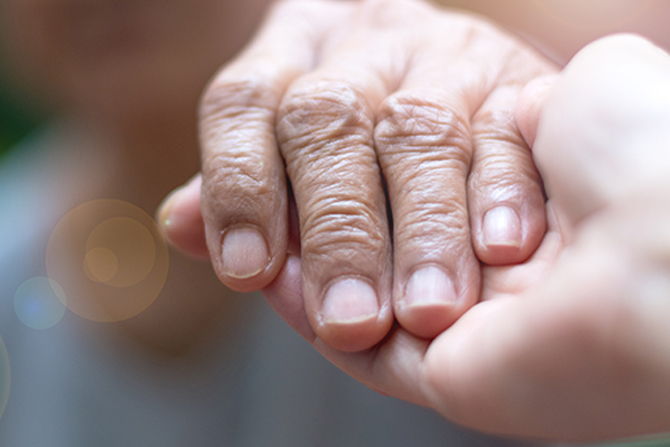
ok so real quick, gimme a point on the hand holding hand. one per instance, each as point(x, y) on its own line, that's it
point(573, 344)
point(349, 98)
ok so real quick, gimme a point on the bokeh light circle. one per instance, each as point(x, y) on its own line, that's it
point(5, 378)
point(120, 252)
point(100, 264)
point(40, 303)
point(110, 259)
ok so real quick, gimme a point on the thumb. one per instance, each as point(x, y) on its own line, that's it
point(603, 132)
point(181, 222)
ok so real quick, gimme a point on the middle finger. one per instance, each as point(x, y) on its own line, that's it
point(325, 131)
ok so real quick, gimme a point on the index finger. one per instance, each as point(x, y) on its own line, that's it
point(244, 196)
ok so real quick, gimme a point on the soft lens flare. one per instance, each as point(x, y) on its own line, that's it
point(110, 258)
point(40, 303)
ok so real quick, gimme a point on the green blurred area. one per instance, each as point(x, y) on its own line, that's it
point(665, 442)
point(18, 115)
point(17, 120)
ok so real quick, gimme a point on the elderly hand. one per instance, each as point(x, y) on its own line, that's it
point(574, 344)
point(367, 105)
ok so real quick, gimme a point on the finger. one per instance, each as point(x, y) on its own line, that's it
point(326, 136)
point(244, 200)
point(180, 220)
point(505, 193)
point(424, 142)
point(284, 295)
point(392, 369)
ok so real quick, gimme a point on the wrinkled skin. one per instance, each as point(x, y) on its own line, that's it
point(572, 344)
point(350, 98)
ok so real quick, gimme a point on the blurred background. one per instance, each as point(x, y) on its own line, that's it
point(558, 27)
point(18, 115)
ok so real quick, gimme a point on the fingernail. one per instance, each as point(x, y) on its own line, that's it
point(244, 253)
point(350, 301)
point(165, 209)
point(502, 226)
point(429, 286)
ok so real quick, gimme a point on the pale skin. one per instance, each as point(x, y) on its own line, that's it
point(572, 344)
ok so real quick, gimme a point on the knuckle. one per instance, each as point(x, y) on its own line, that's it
point(226, 98)
point(497, 125)
point(411, 124)
point(439, 223)
point(240, 180)
point(499, 172)
point(504, 167)
point(344, 227)
point(322, 113)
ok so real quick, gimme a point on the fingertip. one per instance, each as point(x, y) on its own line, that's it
point(505, 190)
point(501, 236)
point(247, 260)
point(509, 234)
point(429, 304)
point(350, 301)
point(502, 228)
point(351, 318)
point(180, 220)
point(284, 295)
point(244, 252)
point(354, 335)
point(247, 232)
point(429, 320)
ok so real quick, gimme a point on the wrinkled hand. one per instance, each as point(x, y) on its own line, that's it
point(574, 344)
point(349, 98)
